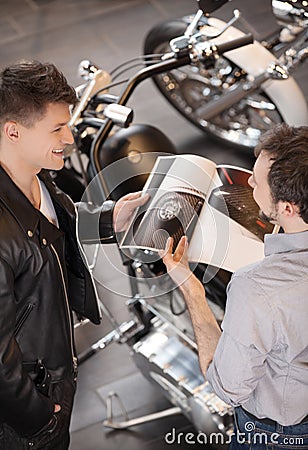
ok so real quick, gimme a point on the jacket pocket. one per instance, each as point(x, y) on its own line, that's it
point(44, 436)
point(23, 317)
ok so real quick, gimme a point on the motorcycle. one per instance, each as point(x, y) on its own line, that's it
point(113, 156)
point(243, 95)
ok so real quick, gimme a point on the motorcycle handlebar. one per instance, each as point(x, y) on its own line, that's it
point(234, 44)
point(177, 60)
point(187, 51)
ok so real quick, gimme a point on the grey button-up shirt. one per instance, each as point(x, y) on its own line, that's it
point(261, 361)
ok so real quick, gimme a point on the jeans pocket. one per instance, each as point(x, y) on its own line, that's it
point(243, 430)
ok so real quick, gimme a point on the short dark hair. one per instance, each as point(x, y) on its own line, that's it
point(287, 147)
point(27, 87)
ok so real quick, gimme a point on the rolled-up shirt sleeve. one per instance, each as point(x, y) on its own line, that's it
point(249, 334)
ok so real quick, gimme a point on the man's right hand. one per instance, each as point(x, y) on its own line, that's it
point(57, 408)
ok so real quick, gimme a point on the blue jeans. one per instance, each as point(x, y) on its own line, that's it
point(251, 434)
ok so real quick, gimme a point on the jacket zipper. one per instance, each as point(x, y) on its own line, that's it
point(25, 314)
point(74, 358)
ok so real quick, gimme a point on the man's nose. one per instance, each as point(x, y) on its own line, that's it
point(67, 136)
point(251, 182)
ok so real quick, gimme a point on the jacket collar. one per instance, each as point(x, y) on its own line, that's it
point(58, 196)
point(29, 218)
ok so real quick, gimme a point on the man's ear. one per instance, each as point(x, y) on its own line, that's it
point(289, 209)
point(11, 131)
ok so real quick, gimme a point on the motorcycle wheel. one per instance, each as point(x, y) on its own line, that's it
point(190, 88)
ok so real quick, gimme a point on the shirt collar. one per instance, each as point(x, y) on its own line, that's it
point(285, 242)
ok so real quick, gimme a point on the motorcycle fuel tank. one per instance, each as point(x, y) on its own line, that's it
point(128, 157)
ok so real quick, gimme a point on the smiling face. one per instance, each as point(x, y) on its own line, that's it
point(41, 145)
point(261, 189)
point(25, 149)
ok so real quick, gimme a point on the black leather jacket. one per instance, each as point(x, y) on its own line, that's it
point(42, 278)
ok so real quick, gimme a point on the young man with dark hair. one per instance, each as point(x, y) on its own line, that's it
point(259, 362)
point(43, 276)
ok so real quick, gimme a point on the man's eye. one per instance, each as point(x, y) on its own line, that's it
point(56, 129)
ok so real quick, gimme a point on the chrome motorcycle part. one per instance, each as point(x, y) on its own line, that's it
point(98, 80)
point(87, 69)
point(290, 12)
point(293, 57)
point(115, 335)
point(244, 90)
point(119, 114)
point(174, 366)
point(189, 89)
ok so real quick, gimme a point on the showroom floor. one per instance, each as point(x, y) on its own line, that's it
point(109, 32)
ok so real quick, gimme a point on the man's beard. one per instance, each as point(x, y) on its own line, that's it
point(271, 218)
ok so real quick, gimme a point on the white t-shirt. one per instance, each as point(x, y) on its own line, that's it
point(47, 207)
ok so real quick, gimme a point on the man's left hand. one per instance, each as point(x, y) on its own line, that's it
point(125, 208)
point(177, 265)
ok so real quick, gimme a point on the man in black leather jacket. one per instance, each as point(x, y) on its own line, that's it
point(43, 276)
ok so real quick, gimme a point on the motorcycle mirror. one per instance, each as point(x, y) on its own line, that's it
point(208, 6)
point(119, 114)
point(87, 69)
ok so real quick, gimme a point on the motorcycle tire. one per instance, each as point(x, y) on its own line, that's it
point(190, 88)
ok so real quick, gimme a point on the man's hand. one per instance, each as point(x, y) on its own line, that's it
point(125, 208)
point(57, 408)
point(206, 329)
point(177, 265)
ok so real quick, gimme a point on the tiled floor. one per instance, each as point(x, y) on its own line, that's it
point(109, 32)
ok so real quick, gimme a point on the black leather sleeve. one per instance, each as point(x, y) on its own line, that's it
point(95, 223)
point(22, 406)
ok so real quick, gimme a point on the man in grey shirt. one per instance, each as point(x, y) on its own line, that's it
point(259, 362)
